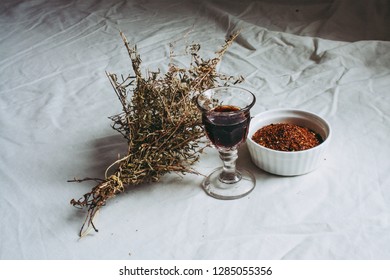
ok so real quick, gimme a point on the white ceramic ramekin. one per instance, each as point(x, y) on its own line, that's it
point(288, 163)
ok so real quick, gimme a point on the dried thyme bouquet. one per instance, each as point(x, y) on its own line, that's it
point(160, 122)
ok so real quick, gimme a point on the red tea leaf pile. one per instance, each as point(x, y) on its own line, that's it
point(286, 137)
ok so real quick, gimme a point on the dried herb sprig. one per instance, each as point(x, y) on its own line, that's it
point(160, 122)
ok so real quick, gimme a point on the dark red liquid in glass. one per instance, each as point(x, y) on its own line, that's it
point(226, 130)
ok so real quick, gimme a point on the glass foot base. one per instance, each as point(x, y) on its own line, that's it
point(216, 188)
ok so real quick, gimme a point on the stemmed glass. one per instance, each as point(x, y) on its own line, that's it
point(226, 117)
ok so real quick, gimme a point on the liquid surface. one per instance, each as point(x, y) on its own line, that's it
point(226, 130)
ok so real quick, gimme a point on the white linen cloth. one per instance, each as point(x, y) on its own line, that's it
point(328, 57)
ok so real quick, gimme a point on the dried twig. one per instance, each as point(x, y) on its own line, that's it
point(161, 123)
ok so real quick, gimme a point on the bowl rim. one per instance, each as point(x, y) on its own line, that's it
point(280, 110)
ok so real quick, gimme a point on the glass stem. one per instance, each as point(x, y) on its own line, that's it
point(229, 174)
